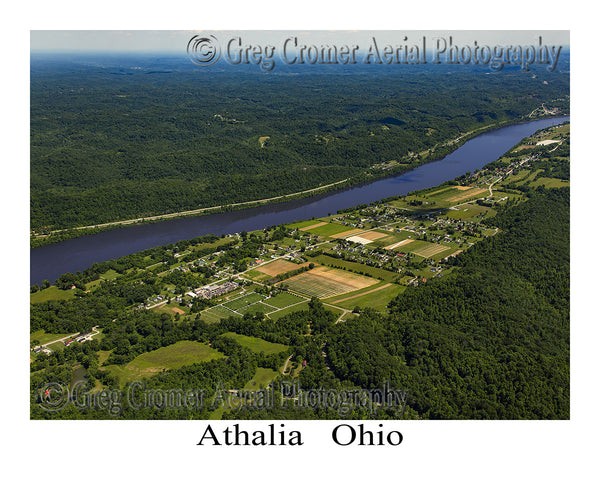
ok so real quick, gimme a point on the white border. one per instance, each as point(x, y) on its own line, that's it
point(167, 449)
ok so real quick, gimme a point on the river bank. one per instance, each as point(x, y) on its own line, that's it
point(372, 175)
point(50, 261)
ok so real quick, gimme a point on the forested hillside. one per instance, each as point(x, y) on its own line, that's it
point(491, 341)
point(113, 143)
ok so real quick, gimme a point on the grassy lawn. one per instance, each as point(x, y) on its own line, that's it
point(174, 356)
point(243, 301)
point(374, 297)
point(254, 275)
point(303, 224)
point(467, 211)
point(261, 379)
point(168, 308)
point(286, 311)
point(215, 314)
point(256, 344)
point(283, 300)
point(110, 275)
point(550, 182)
point(256, 308)
point(44, 338)
point(329, 229)
point(335, 310)
point(51, 293)
point(102, 356)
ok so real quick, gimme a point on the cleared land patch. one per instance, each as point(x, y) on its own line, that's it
point(399, 244)
point(256, 308)
point(277, 267)
point(243, 301)
point(377, 298)
point(347, 233)
point(215, 314)
point(257, 345)
point(284, 300)
point(356, 267)
point(310, 227)
point(177, 355)
point(262, 378)
point(329, 229)
point(372, 235)
point(325, 282)
point(471, 192)
point(364, 293)
point(357, 239)
point(430, 250)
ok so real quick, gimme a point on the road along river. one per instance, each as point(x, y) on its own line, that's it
point(51, 261)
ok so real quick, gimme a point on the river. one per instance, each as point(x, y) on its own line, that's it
point(51, 261)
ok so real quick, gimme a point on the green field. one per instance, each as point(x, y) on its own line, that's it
point(51, 293)
point(215, 314)
point(305, 223)
point(256, 308)
point(110, 275)
point(329, 229)
point(262, 378)
point(283, 300)
point(374, 297)
point(243, 301)
point(467, 211)
point(286, 311)
point(326, 286)
point(357, 267)
point(255, 275)
point(257, 345)
point(550, 182)
point(174, 356)
point(44, 338)
point(390, 239)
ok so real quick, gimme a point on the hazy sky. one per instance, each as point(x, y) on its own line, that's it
point(176, 40)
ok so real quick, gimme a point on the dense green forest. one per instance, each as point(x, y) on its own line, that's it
point(113, 143)
point(491, 341)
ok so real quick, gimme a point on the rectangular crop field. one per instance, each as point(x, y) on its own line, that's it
point(399, 244)
point(347, 233)
point(305, 223)
point(466, 194)
point(277, 267)
point(256, 275)
point(430, 250)
point(312, 226)
point(329, 229)
point(377, 298)
point(372, 235)
point(325, 282)
point(356, 267)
